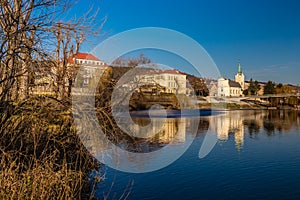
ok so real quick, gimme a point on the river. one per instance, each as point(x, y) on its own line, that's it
point(256, 156)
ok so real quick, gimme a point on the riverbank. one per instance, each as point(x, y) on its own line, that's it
point(244, 106)
point(174, 113)
point(207, 110)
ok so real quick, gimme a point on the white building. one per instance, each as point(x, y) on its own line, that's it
point(173, 81)
point(89, 63)
point(230, 88)
point(46, 81)
point(85, 58)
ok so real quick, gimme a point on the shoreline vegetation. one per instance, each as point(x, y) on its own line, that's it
point(41, 154)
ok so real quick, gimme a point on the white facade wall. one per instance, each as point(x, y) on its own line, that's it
point(174, 83)
point(224, 89)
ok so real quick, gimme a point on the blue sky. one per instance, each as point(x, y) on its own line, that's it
point(263, 35)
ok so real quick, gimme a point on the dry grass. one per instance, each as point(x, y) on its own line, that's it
point(41, 156)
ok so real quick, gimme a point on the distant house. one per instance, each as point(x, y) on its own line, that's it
point(90, 62)
point(85, 58)
point(229, 88)
point(46, 81)
point(212, 86)
point(171, 81)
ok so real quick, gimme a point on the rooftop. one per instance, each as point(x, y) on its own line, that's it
point(233, 83)
point(83, 56)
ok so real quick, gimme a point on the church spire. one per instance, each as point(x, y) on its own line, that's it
point(239, 68)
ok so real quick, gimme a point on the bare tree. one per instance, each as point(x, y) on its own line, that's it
point(22, 24)
point(132, 62)
point(29, 35)
point(68, 39)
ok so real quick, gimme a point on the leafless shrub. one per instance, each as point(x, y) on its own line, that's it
point(41, 156)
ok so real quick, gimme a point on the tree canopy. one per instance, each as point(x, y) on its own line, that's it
point(269, 88)
point(253, 88)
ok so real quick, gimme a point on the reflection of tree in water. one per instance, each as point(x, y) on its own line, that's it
point(274, 121)
point(172, 131)
point(269, 127)
point(203, 126)
point(253, 126)
point(281, 121)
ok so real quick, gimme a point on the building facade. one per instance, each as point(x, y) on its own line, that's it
point(171, 81)
point(85, 59)
point(90, 65)
point(47, 83)
point(230, 88)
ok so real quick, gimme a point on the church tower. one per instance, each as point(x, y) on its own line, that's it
point(239, 77)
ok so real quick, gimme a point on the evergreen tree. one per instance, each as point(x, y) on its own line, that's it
point(269, 88)
point(253, 88)
point(256, 86)
point(246, 92)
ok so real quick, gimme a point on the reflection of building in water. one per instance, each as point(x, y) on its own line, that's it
point(172, 130)
point(229, 123)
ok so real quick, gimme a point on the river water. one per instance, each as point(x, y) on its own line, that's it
point(257, 156)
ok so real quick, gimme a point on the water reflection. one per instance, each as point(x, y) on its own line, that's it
point(254, 122)
point(229, 124)
point(173, 130)
point(178, 131)
point(273, 160)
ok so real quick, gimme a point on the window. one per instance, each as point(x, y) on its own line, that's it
point(86, 81)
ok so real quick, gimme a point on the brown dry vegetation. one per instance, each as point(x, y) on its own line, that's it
point(41, 156)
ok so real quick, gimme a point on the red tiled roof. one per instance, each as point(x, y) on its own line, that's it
point(83, 56)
